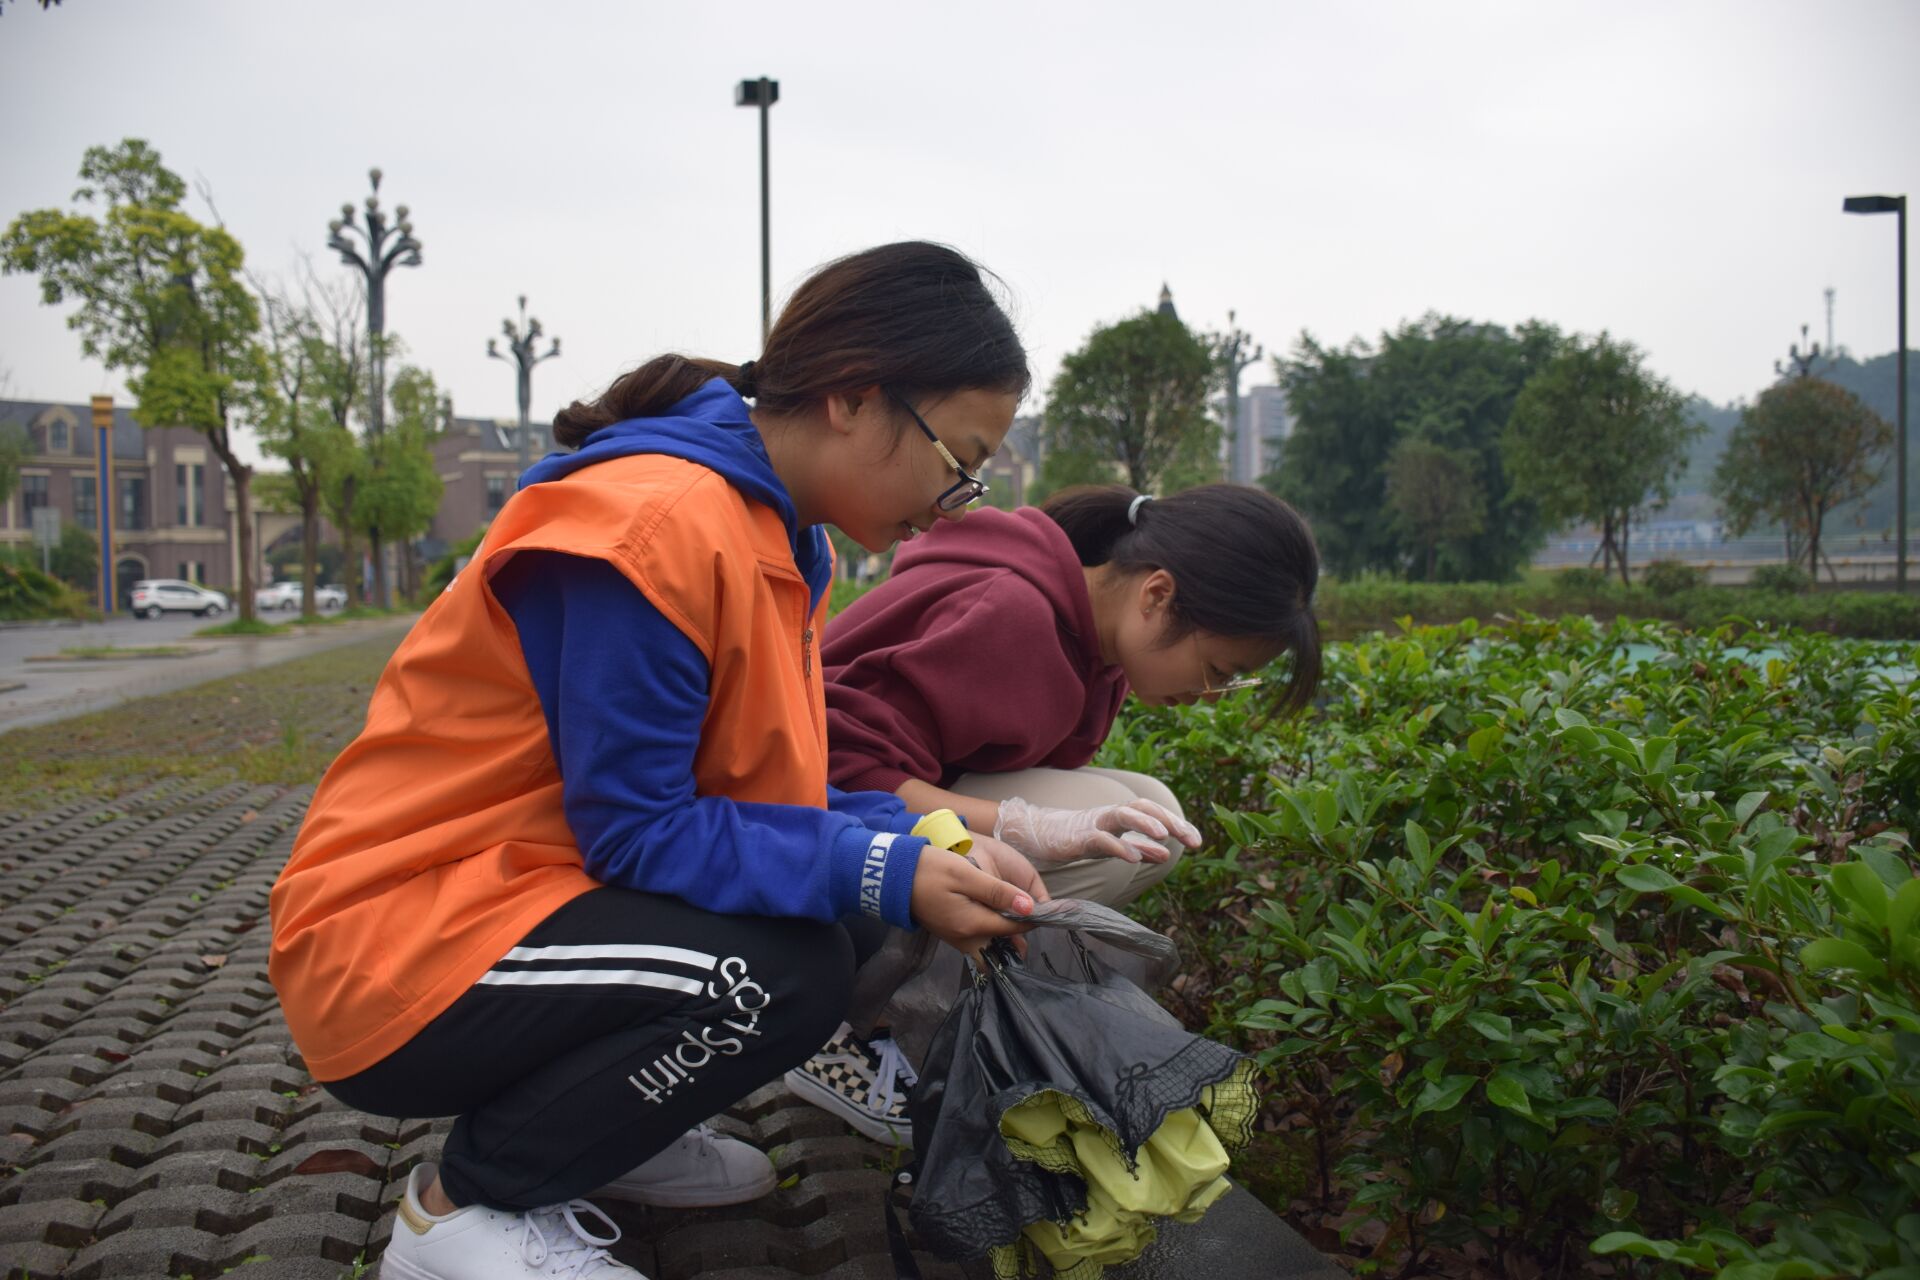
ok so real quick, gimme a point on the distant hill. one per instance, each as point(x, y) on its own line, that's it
point(1873, 381)
point(1719, 420)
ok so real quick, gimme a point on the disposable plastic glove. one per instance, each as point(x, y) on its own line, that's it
point(1131, 832)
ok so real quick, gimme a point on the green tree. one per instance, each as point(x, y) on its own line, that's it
point(401, 490)
point(341, 365)
point(1434, 496)
point(1805, 448)
point(313, 354)
point(1449, 381)
point(1134, 399)
point(344, 475)
point(159, 296)
point(1330, 466)
point(14, 448)
point(1597, 437)
point(75, 560)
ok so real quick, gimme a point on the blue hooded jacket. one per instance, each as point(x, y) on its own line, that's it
point(624, 693)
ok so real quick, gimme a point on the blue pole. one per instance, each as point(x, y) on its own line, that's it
point(103, 468)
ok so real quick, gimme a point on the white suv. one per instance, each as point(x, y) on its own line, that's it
point(286, 595)
point(281, 595)
point(155, 596)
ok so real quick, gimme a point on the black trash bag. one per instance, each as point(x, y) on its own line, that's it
point(1016, 1031)
point(908, 985)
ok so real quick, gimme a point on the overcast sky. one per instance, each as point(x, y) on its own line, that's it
point(1671, 172)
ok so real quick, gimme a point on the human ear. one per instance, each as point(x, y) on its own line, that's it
point(857, 407)
point(1155, 592)
point(848, 411)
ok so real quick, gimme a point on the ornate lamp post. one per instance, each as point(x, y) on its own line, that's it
point(521, 341)
point(386, 247)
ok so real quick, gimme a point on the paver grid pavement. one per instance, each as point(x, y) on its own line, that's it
point(156, 1119)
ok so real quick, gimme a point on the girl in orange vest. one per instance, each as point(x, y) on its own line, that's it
point(581, 882)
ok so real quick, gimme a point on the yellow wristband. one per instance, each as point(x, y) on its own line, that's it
point(943, 827)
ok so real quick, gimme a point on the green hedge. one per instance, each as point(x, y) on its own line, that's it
point(26, 593)
point(1371, 603)
point(1554, 949)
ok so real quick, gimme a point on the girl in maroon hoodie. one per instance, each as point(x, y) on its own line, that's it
point(984, 674)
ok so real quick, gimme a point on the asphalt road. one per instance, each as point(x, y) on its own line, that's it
point(38, 692)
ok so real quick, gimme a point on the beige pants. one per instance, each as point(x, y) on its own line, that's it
point(911, 982)
point(1107, 881)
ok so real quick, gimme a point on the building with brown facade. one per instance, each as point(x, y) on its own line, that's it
point(478, 460)
point(172, 511)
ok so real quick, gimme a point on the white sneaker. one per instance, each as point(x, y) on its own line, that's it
point(699, 1171)
point(478, 1243)
point(864, 1082)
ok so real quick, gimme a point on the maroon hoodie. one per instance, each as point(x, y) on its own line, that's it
point(977, 656)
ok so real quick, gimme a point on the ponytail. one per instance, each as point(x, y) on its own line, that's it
point(917, 318)
point(1243, 562)
point(646, 392)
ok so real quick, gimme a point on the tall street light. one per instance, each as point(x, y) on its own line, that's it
point(762, 93)
point(1896, 205)
point(521, 341)
point(386, 247)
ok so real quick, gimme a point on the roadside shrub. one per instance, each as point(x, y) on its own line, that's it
point(1581, 582)
point(1670, 577)
point(441, 571)
point(845, 591)
point(76, 560)
point(27, 593)
point(1366, 604)
point(1560, 938)
point(1784, 578)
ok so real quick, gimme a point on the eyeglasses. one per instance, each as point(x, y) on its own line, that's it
point(970, 489)
point(1232, 685)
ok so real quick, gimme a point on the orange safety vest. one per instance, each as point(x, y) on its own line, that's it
point(437, 839)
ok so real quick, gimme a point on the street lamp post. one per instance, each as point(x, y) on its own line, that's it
point(521, 341)
point(762, 93)
point(378, 259)
point(1896, 205)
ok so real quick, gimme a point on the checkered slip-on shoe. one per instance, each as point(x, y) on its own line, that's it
point(864, 1082)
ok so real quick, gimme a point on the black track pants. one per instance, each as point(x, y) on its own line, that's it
point(620, 1022)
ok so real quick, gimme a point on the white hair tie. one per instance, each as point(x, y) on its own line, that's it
point(1133, 508)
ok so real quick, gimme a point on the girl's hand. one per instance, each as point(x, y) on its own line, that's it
point(997, 857)
point(1131, 832)
point(959, 900)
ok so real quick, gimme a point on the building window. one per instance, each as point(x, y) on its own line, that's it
point(57, 441)
point(194, 571)
point(86, 507)
point(133, 502)
point(189, 506)
point(33, 496)
point(496, 494)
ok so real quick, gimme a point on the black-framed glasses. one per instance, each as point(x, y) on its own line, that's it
point(971, 487)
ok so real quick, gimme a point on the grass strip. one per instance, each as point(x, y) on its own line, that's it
point(283, 724)
point(110, 652)
point(243, 627)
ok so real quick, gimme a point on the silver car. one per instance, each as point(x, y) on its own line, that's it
point(281, 595)
point(155, 596)
point(286, 595)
